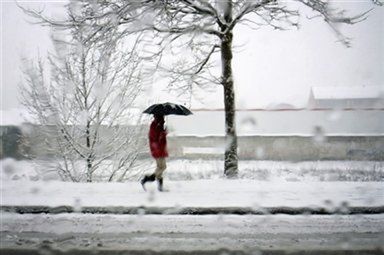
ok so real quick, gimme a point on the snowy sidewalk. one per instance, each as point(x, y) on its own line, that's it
point(103, 229)
point(194, 197)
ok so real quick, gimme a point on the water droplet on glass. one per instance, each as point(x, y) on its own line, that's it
point(224, 252)
point(35, 190)
point(220, 217)
point(329, 206)
point(334, 115)
point(79, 48)
point(248, 124)
point(318, 134)
point(256, 208)
point(228, 142)
point(174, 210)
point(345, 242)
point(9, 166)
point(344, 207)
point(45, 249)
point(83, 118)
point(255, 253)
point(77, 207)
point(26, 128)
point(151, 195)
point(16, 177)
point(114, 18)
point(260, 153)
point(141, 211)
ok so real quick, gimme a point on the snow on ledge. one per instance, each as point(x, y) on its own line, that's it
point(203, 150)
point(277, 135)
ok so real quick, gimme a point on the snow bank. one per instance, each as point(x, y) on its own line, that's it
point(197, 185)
point(198, 193)
point(183, 170)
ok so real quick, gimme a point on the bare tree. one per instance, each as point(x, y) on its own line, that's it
point(205, 27)
point(85, 96)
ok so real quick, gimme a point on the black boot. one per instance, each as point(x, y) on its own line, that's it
point(160, 184)
point(147, 178)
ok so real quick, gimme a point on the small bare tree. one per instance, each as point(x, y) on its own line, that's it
point(85, 97)
point(205, 27)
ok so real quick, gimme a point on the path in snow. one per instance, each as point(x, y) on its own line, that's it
point(218, 193)
point(191, 233)
point(172, 233)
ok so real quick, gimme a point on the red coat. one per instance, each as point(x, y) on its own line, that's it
point(158, 140)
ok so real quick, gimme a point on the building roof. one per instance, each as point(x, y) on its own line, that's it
point(351, 92)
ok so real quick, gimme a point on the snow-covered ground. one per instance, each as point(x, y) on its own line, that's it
point(160, 223)
point(197, 193)
point(209, 234)
point(183, 170)
point(201, 183)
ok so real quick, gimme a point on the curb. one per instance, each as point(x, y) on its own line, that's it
point(194, 210)
point(177, 252)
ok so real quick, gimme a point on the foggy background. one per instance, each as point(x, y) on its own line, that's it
point(270, 67)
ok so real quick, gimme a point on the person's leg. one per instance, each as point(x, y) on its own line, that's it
point(149, 178)
point(161, 166)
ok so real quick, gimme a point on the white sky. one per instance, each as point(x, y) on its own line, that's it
point(270, 67)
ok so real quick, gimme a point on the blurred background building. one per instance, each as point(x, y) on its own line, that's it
point(338, 123)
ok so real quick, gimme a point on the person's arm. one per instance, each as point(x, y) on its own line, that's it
point(163, 137)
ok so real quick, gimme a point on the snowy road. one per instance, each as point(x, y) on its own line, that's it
point(193, 233)
point(128, 220)
point(198, 193)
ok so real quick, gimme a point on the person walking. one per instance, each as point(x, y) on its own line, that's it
point(158, 146)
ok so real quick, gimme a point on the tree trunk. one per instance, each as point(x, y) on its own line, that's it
point(89, 157)
point(85, 95)
point(231, 159)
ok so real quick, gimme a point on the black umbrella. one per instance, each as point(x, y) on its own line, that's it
point(167, 109)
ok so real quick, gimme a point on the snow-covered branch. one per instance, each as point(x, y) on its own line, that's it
point(85, 95)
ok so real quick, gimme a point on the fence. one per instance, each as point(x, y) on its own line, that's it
point(292, 148)
point(259, 147)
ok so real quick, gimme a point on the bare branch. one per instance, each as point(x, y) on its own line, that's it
point(92, 86)
point(333, 17)
point(205, 61)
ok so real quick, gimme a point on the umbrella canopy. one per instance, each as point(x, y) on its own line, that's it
point(167, 109)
